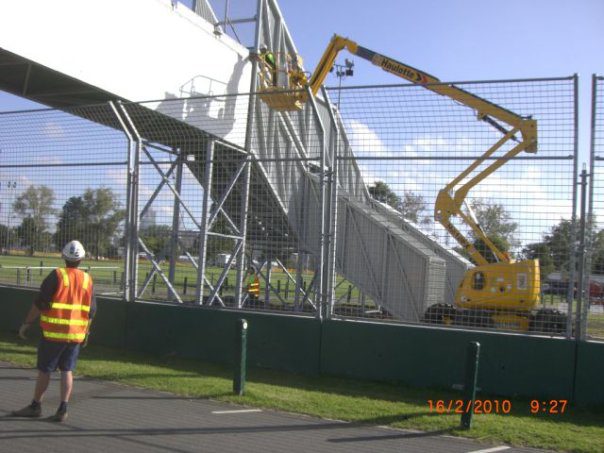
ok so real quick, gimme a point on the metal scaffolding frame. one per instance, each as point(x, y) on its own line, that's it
point(139, 145)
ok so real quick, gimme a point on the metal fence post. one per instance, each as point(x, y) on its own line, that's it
point(579, 330)
point(471, 380)
point(240, 357)
point(205, 216)
point(175, 221)
point(572, 280)
point(131, 224)
point(268, 280)
point(333, 206)
point(324, 232)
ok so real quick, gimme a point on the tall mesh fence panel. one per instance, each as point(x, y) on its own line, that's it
point(409, 143)
point(594, 294)
point(239, 212)
point(62, 177)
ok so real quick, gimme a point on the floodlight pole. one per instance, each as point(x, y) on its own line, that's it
point(343, 71)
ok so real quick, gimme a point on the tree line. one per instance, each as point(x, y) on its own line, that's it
point(93, 218)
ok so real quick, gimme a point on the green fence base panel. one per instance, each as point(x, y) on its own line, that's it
point(289, 343)
point(109, 325)
point(14, 304)
point(430, 357)
point(422, 356)
point(589, 385)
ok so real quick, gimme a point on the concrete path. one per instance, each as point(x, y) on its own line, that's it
point(112, 418)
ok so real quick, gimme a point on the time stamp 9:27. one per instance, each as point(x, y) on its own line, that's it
point(495, 406)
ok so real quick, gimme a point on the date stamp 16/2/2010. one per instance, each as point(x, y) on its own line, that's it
point(495, 406)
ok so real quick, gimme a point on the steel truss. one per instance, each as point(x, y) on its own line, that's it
point(212, 208)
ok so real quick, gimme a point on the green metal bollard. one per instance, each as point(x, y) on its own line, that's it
point(472, 359)
point(240, 357)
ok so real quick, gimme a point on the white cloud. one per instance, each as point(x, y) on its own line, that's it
point(365, 141)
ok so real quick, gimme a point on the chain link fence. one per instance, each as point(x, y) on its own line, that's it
point(218, 202)
point(61, 177)
point(410, 142)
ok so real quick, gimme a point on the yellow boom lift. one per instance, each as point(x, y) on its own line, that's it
point(504, 294)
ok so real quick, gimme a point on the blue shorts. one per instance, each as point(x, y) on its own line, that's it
point(53, 355)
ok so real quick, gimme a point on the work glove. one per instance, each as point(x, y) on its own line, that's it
point(85, 342)
point(23, 329)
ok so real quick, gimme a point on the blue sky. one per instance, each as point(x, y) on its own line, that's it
point(459, 40)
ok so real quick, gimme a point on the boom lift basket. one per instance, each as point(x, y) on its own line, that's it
point(279, 99)
point(282, 85)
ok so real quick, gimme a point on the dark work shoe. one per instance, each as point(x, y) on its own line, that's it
point(28, 411)
point(60, 416)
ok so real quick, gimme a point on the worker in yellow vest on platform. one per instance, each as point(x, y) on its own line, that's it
point(268, 58)
point(66, 306)
point(253, 287)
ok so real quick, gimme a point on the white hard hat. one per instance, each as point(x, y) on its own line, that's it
point(73, 251)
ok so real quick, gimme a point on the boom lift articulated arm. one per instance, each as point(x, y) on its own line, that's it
point(449, 201)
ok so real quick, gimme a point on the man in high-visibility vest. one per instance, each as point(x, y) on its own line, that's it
point(269, 59)
point(66, 306)
point(253, 287)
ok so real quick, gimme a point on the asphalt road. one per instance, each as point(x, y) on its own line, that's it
point(108, 417)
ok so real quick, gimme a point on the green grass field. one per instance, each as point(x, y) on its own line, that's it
point(108, 277)
point(577, 430)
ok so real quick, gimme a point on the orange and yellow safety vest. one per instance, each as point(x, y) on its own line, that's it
point(68, 317)
point(253, 287)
